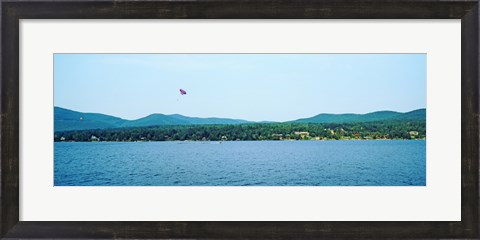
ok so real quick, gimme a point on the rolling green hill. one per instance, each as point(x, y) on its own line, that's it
point(419, 114)
point(71, 120)
point(176, 119)
point(66, 120)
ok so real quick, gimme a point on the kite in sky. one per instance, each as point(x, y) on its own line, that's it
point(183, 92)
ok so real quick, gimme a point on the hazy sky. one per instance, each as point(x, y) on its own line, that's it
point(276, 87)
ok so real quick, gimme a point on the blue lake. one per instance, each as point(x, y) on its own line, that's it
point(241, 163)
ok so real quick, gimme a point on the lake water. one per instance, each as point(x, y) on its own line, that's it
point(241, 163)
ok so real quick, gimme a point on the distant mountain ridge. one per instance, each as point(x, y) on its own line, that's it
point(66, 120)
point(419, 114)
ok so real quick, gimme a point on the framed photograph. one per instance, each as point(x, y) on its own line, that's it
point(240, 119)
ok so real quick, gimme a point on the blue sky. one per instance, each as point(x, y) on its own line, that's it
point(257, 87)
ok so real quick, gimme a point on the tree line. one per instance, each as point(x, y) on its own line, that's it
point(253, 132)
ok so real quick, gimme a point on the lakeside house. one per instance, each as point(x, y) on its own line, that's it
point(302, 133)
point(277, 136)
point(413, 134)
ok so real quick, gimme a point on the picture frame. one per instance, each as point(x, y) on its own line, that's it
point(13, 11)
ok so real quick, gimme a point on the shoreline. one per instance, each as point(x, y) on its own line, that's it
point(290, 140)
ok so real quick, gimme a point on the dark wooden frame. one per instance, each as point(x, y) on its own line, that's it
point(12, 11)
